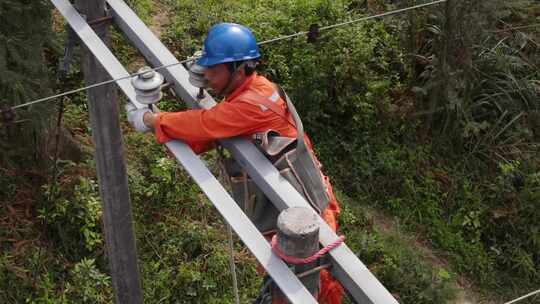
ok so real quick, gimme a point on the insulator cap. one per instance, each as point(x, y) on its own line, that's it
point(147, 85)
point(196, 76)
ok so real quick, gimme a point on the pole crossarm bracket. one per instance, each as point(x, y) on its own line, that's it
point(248, 233)
point(360, 283)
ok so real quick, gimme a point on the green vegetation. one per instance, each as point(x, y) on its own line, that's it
point(428, 129)
point(24, 76)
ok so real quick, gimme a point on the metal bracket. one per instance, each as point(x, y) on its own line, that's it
point(72, 39)
point(313, 33)
point(103, 20)
point(69, 48)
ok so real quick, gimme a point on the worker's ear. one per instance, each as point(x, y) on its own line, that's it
point(249, 67)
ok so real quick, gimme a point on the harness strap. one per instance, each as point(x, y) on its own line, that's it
point(302, 162)
point(289, 114)
point(257, 99)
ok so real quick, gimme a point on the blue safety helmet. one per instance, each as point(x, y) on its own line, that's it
point(228, 42)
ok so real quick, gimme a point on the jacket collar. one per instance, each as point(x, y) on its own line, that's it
point(241, 88)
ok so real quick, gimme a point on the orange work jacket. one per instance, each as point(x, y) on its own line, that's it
point(231, 118)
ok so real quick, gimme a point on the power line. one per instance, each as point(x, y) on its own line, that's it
point(517, 28)
point(399, 11)
point(260, 43)
point(96, 85)
point(524, 297)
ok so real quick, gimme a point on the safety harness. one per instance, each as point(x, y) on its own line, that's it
point(291, 156)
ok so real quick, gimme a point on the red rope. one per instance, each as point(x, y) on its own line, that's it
point(299, 261)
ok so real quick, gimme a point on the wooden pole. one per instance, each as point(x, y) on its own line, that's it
point(298, 236)
point(111, 168)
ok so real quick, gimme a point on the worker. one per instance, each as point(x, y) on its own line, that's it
point(229, 57)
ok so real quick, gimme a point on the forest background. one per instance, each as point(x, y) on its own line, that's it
point(428, 124)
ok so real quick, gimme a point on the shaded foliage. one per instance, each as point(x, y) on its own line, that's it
point(25, 38)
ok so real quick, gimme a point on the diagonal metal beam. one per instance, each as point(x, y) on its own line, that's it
point(221, 199)
point(361, 284)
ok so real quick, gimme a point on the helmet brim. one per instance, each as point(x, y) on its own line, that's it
point(211, 61)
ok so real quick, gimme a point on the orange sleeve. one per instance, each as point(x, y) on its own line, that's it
point(201, 146)
point(197, 127)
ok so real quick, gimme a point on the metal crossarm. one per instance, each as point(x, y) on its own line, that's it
point(360, 283)
point(255, 242)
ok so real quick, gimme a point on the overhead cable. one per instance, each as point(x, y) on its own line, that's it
point(273, 40)
point(96, 85)
point(524, 297)
point(399, 11)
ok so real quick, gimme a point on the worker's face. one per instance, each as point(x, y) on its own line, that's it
point(218, 78)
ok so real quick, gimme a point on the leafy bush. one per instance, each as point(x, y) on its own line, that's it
point(88, 284)
point(394, 259)
point(479, 100)
point(479, 86)
point(73, 216)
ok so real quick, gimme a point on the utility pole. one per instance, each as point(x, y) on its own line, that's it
point(110, 166)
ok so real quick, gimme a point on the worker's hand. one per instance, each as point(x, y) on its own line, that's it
point(136, 117)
